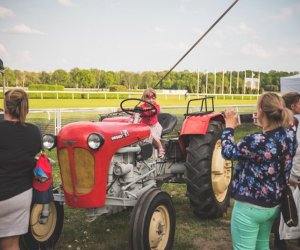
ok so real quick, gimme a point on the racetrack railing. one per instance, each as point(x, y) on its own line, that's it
point(52, 120)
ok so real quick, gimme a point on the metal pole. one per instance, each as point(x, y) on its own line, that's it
point(215, 82)
point(237, 82)
point(230, 82)
point(3, 79)
point(206, 82)
point(258, 82)
point(245, 81)
point(223, 82)
point(198, 83)
point(214, 24)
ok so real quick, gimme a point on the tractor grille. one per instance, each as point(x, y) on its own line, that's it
point(83, 170)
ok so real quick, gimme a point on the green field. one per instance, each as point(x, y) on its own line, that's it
point(98, 103)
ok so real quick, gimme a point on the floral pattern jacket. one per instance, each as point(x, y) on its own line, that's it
point(257, 179)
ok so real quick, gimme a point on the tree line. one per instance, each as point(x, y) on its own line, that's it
point(193, 82)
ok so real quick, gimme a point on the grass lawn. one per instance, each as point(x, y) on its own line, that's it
point(97, 103)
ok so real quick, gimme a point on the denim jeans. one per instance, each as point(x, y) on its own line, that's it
point(251, 226)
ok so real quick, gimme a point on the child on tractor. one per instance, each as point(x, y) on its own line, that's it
point(149, 95)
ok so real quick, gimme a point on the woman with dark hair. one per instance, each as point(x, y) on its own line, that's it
point(257, 183)
point(292, 102)
point(19, 144)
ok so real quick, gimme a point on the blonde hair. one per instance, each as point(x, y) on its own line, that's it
point(16, 104)
point(147, 92)
point(273, 108)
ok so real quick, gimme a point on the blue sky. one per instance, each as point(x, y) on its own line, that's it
point(140, 35)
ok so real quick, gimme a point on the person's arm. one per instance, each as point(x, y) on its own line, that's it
point(295, 171)
point(246, 148)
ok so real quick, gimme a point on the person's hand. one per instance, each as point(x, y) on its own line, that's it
point(231, 118)
point(255, 120)
point(293, 183)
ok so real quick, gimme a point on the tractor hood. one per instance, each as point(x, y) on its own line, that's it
point(84, 170)
point(115, 134)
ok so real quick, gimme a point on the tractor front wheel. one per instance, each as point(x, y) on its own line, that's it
point(152, 223)
point(43, 234)
point(208, 174)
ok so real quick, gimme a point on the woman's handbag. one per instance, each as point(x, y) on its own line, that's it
point(285, 231)
point(42, 181)
point(288, 206)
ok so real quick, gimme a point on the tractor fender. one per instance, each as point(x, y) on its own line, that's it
point(196, 125)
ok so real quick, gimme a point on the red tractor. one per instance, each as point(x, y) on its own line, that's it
point(108, 166)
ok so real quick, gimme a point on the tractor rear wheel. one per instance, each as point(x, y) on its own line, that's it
point(40, 235)
point(152, 223)
point(208, 174)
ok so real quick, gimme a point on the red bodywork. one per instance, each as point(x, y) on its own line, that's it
point(116, 135)
point(196, 125)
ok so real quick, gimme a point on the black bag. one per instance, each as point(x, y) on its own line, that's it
point(288, 206)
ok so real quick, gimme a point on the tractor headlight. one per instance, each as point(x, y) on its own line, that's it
point(49, 141)
point(95, 141)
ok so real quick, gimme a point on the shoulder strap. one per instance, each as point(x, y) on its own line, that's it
point(280, 153)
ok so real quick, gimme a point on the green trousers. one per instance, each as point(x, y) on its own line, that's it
point(251, 226)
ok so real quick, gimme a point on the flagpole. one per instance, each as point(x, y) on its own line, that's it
point(258, 81)
point(3, 78)
point(230, 82)
point(198, 80)
point(206, 82)
point(245, 81)
point(223, 82)
point(215, 82)
point(237, 83)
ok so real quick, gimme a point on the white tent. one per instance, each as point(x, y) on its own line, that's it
point(290, 83)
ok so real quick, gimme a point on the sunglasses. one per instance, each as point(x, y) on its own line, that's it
point(150, 96)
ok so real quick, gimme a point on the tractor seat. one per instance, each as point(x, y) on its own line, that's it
point(167, 121)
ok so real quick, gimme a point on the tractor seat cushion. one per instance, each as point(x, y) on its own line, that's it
point(167, 121)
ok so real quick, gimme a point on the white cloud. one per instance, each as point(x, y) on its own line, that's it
point(67, 2)
point(297, 50)
point(4, 12)
point(218, 44)
point(244, 28)
point(159, 29)
point(25, 57)
point(24, 29)
point(283, 14)
point(171, 46)
point(3, 50)
point(254, 49)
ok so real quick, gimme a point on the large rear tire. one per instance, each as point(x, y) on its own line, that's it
point(208, 174)
point(152, 223)
point(42, 236)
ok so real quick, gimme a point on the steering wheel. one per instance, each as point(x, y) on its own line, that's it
point(138, 109)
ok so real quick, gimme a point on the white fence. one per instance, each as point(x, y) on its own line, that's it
point(122, 95)
point(52, 120)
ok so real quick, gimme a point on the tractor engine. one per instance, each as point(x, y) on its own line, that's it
point(129, 171)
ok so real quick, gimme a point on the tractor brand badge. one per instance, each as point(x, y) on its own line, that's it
point(123, 134)
point(69, 143)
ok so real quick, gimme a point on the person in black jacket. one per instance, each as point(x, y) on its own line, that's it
point(20, 142)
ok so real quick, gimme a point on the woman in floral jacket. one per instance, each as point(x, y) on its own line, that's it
point(257, 183)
